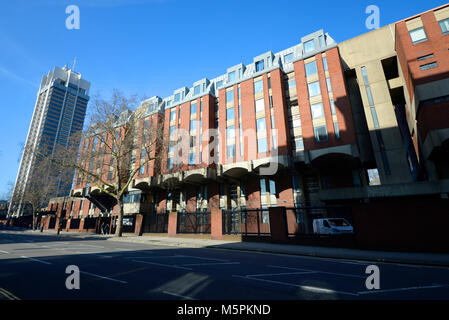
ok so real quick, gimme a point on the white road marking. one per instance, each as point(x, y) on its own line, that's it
point(102, 277)
point(195, 257)
point(308, 288)
point(279, 274)
point(4, 251)
point(154, 257)
point(208, 263)
point(163, 265)
point(325, 272)
point(178, 295)
point(37, 260)
point(401, 289)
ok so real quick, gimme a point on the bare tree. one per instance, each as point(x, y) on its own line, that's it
point(42, 185)
point(117, 144)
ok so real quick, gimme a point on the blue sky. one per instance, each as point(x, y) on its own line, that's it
point(151, 47)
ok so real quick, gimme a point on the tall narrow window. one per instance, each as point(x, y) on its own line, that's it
point(259, 65)
point(258, 86)
point(311, 68)
point(325, 64)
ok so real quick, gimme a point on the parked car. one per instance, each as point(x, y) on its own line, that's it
point(332, 226)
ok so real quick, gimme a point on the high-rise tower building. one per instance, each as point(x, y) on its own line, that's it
point(58, 114)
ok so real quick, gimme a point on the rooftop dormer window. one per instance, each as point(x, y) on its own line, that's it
point(309, 46)
point(231, 76)
point(259, 65)
point(177, 97)
point(288, 58)
point(196, 90)
point(219, 84)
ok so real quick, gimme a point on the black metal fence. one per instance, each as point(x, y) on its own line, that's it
point(194, 222)
point(129, 224)
point(90, 223)
point(75, 223)
point(246, 222)
point(155, 223)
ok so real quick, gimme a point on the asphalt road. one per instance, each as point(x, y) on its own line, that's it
point(33, 266)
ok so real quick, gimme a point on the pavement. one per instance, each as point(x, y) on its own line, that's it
point(414, 258)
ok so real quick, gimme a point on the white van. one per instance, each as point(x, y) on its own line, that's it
point(332, 226)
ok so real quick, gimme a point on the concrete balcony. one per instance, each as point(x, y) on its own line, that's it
point(385, 191)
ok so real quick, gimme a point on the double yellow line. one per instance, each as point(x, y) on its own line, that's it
point(8, 294)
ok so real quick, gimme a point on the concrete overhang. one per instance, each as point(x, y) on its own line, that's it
point(348, 149)
point(385, 191)
point(434, 139)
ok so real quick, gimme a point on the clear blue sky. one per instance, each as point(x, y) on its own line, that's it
point(151, 47)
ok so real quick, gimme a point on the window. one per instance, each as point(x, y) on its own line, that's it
point(299, 144)
point(231, 151)
point(288, 58)
point(193, 108)
point(172, 115)
point(374, 115)
point(262, 145)
point(444, 25)
point(172, 131)
point(292, 84)
point(314, 89)
point(231, 76)
point(261, 125)
point(193, 125)
point(337, 130)
point(230, 114)
point(263, 187)
point(322, 44)
point(325, 64)
point(317, 110)
point(370, 96)
point(229, 96)
point(170, 163)
point(418, 35)
point(311, 68)
point(219, 84)
point(296, 123)
point(309, 46)
point(171, 146)
point(192, 141)
point(142, 170)
point(428, 66)
point(177, 97)
point(230, 132)
point(425, 57)
point(192, 158)
point(365, 76)
point(332, 107)
point(260, 105)
point(328, 83)
point(320, 133)
point(259, 65)
point(258, 86)
point(196, 90)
